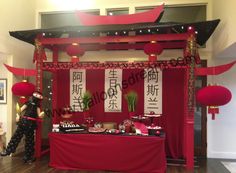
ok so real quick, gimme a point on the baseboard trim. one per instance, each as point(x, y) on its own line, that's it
point(224, 155)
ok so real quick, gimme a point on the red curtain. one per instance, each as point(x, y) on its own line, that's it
point(173, 108)
point(173, 111)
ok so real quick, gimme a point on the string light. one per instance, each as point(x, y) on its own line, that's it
point(50, 89)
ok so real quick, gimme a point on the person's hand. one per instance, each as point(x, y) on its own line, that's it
point(41, 115)
point(17, 117)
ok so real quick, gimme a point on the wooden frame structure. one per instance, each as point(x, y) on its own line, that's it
point(170, 36)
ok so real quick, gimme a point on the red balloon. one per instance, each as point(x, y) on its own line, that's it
point(75, 50)
point(153, 48)
point(213, 96)
point(23, 89)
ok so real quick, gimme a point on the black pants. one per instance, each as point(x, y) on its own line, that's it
point(21, 130)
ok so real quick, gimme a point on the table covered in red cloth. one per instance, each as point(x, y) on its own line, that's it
point(144, 154)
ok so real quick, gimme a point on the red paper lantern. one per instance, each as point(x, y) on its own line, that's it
point(23, 89)
point(213, 96)
point(153, 49)
point(75, 51)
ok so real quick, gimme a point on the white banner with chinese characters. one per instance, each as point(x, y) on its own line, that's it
point(113, 84)
point(153, 91)
point(77, 88)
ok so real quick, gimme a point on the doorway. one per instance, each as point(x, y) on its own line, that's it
point(200, 119)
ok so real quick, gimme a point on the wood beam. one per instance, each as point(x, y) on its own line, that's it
point(122, 46)
point(115, 39)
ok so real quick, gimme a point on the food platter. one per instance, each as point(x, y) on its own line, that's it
point(71, 127)
point(96, 130)
point(154, 127)
point(139, 118)
point(113, 131)
point(154, 130)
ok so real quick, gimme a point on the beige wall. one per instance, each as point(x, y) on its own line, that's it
point(3, 107)
point(15, 15)
point(221, 137)
point(58, 5)
point(225, 34)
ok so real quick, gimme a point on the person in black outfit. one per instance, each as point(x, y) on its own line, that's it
point(26, 126)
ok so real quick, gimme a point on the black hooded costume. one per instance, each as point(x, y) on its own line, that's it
point(26, 126)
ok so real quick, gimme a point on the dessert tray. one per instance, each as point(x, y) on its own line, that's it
point(96, 130)
point(70, 128)
point(113, 131)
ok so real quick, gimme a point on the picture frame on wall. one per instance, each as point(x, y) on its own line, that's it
point(3, 91)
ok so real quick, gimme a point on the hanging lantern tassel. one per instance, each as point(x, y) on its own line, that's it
point(213, 110)
point(74, 59)
point(39, 52)
point(197, 58)
point(23, 99)
point(152, 57)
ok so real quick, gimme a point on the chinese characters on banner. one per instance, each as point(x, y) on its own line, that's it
point(153, 91)
point(77, 88)
point(113, 84)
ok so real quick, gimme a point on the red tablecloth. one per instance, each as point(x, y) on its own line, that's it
point(107, 152)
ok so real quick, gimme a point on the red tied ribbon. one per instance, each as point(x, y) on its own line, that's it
point(33, 119)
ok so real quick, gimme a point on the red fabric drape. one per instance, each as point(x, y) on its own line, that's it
point(204, 71)
point(173, 111)
point(144, 17)
point(21, 71)
point(173, 108)
point(107, 152)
